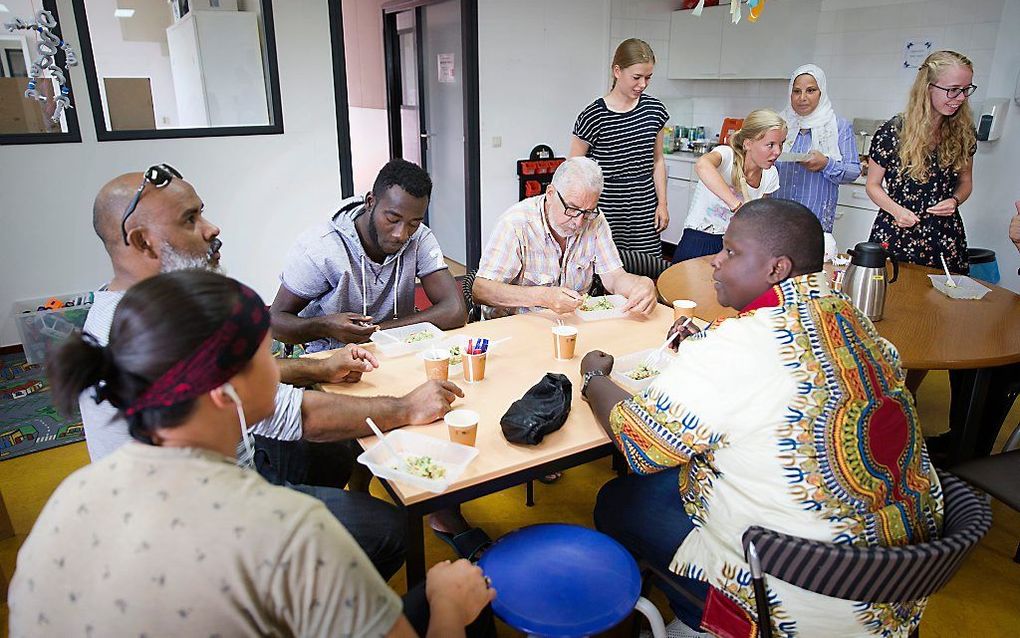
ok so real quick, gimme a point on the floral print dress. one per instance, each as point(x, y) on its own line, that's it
point(934, 235)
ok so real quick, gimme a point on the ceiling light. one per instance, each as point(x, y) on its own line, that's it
point(123, 13)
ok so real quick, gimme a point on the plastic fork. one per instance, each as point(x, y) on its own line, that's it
point(386, 444)
point(949, 278)
point(653, 357)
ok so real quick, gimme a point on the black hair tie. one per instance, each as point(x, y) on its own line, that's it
point(102, 388)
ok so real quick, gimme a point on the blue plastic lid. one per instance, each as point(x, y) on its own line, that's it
point(561, 581)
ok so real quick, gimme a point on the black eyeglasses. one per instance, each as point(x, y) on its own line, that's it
point(159, 176)
point(573, 212)
point(956, 91)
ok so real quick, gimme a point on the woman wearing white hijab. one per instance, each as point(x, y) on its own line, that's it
point(814, 128)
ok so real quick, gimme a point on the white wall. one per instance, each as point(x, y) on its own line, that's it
point(366, 89)
point(261, 190)
point(996, 186)
point(540, 63)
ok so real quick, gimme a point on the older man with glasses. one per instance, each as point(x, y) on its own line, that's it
point(546, 249)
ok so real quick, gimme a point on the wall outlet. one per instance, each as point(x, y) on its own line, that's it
point(497, 141)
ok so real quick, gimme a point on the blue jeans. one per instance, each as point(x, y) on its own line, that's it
point(645, 514)
point(696, 243)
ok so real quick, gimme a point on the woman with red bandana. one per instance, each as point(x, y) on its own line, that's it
point(168, 535)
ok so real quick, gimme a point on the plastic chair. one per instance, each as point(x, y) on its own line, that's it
point(565, 581)
point(870, 574)
point(998, 475)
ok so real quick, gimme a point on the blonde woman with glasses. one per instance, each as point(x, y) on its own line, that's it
point(921, 166)
point(730, 176)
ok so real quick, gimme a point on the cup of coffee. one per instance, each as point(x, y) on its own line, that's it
point(683, 308)
point(564, 341)
point(474, 367)
point(462, 425)
point(437, 364)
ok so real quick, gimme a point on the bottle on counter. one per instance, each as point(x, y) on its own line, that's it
point(667, 140)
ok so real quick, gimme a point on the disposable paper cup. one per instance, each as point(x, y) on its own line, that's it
point(683, 308)
point(564, 341)
point(463, 426)
point(474, 367)
point(437, 364)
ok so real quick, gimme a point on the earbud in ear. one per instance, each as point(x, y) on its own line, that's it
point(231, 392)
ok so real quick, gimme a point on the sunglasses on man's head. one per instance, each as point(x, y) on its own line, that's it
point(159, 176)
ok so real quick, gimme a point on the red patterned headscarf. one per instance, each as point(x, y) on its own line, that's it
point(221, 356)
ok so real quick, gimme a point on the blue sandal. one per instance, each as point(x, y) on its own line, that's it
point(470, 544)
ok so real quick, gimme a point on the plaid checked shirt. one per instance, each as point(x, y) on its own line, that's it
point(522, 251)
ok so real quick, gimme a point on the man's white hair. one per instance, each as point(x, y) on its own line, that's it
point(578, 173)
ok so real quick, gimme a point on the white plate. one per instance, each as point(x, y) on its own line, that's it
point(966, 288)
point(392, 342)
point(627, 362)
point(618, 302)
point(793, 157)
point(453, 456)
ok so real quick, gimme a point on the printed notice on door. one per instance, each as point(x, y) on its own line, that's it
point(446, 72)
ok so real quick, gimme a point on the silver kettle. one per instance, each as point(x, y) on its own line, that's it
point(865, 280)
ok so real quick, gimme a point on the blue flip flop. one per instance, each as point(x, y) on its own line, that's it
point(470, 544)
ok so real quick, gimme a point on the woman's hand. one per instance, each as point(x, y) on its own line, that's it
point(945, 208)
point(815, 162)
point(661, 217)
point(905, 218)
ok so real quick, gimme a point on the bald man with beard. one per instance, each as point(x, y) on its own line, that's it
point(160, 227)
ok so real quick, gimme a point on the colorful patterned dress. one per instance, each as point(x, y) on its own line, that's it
point(793, 416)
point(923, 242)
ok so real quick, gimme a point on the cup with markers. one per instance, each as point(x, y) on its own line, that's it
point(474, 360)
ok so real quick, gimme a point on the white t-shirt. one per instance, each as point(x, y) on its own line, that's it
point(159, 541)
point(105, 430)
point(710, 214)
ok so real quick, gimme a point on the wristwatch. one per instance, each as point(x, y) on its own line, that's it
point(955, 199)
point(588, 376)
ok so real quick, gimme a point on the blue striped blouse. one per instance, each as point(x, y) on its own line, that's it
point(819, 191)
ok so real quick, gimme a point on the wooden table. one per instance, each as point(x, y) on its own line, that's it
point(511, 369)
point(930, 331)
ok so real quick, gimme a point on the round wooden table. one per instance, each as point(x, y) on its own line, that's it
point(930, 331)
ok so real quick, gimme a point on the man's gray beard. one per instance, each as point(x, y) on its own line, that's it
point(172, 260)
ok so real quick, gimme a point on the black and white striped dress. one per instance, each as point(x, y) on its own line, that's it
point(624, 146)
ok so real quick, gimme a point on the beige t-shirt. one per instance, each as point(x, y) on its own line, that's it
point(155, 541)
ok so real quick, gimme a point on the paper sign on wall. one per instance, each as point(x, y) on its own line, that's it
point(915, 51)
point(446, 74)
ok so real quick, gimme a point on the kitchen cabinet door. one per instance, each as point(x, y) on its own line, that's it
point(694, 43)
point(852, 225)
point(678, 199)
point(781, 40)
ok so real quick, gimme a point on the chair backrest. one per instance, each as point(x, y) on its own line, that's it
point(466, 283)
point(879, 574)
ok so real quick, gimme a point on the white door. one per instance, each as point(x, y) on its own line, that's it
point(443, 101)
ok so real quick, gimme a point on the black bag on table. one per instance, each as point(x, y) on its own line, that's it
point(542, 409)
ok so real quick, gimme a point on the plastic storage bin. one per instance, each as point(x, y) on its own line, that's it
point(628, 362)
point(41, 330)
point(454, 456)
point(393, 342)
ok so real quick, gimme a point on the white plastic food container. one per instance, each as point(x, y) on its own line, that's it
point(393, 342)
point(618, 302)
point(626, 363)
point(453, 456)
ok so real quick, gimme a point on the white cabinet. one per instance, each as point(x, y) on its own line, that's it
point(855, 214)
point(678, 199)
point(694, 43)
point(712, 47)
point(216, 62)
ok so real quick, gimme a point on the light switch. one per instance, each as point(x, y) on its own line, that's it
point(497, 141)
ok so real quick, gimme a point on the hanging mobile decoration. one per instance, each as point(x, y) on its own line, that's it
point(755, 7)
point(47, 47)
